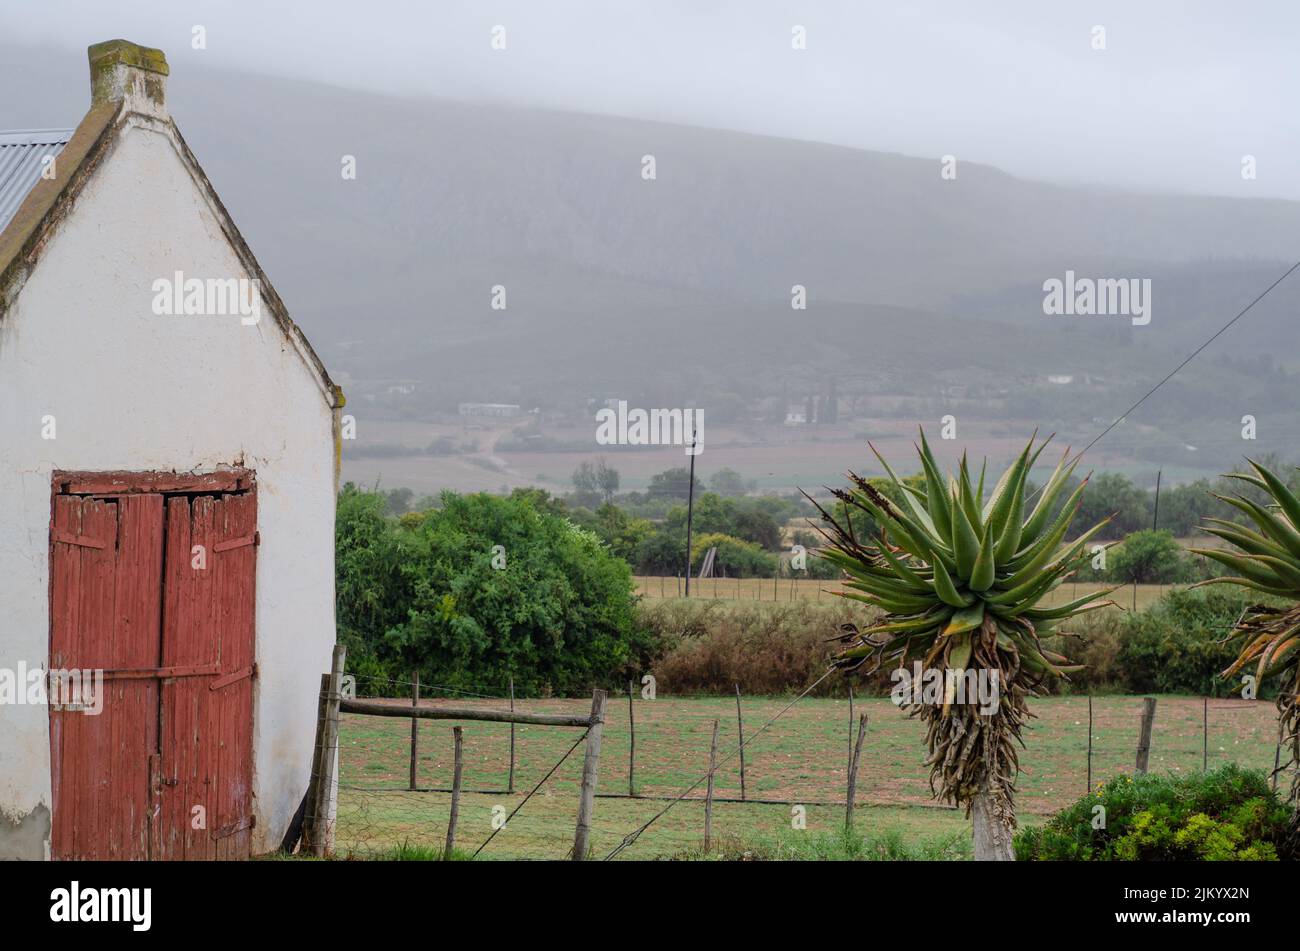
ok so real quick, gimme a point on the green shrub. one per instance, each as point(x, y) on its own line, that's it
point(431, 591)
point(1149, 557)
point(1173, 646)
point(1176, 645)
point(1228, 814)
point(736, 558)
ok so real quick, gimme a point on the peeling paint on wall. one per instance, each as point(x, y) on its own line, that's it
point(26, 837)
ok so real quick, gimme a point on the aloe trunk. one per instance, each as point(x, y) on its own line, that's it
point(993, 828)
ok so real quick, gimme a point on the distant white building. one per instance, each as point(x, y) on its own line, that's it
point(491, 409)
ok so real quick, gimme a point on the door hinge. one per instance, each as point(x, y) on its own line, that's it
point(81, 541)
point(243, 542)
point(239, 825)
point(233, 677)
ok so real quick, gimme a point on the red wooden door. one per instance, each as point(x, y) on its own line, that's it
point(206, 743)
point(157, 590)
point(106, 575)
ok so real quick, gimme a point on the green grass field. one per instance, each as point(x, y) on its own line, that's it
point(800, 759)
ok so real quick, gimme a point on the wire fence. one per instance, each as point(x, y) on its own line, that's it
point(785, 588)
point(801, 759)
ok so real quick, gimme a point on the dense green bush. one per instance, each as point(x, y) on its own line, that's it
point(1149, 557)
point(432, 591)
point(1228, 814)
point(1173, 646)
point(1176, 645)
point(750, 520)
point(736, 558)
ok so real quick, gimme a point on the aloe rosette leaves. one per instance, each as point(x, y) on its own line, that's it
point(1266, 559)
point(960, 580)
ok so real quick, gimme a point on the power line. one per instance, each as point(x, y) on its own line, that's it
point(1192, 356)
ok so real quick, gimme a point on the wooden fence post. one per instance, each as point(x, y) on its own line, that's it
point(853, 773)
point(850, 766)
point(309, 805)
point(1205, 736)
point(740, 736)
point(708, 796)
point(587, 797)
point(329, 736)
point(1144, 736)
point(415, 726)
point(455, 795)
point(1088, 789)
point(631, 747)
point(510, 784)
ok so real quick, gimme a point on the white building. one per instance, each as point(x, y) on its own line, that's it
point(507, 410)
point(168, 471)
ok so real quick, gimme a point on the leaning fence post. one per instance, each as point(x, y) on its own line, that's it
point(309, 806)
point(740, 737)
point(587, 798)
point(708, 796)
point(1144, 736)
point(415, 725)
point(455, 794)
point(853, 773)
point(321, 830)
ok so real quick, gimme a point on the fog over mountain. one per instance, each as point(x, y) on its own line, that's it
point(677, 290)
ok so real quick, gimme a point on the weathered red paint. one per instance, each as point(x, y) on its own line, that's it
point(134, 483)
point(176, 643)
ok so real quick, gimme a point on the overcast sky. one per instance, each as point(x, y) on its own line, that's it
point(1182, 91)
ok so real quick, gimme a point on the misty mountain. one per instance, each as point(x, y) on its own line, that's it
point(678, 289)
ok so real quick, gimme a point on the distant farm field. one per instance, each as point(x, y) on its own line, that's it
point(792, 589)
point(801, 759)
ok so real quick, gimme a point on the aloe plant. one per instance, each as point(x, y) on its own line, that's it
point(960, 579)
point(1267, 560)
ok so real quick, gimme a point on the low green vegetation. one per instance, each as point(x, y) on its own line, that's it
point(844, 845)
point(1227, 814)
point(1154, 557)
point(477, 591)
point(1179, 644)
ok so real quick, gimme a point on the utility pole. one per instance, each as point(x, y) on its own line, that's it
point(690, 513)
point(1155, 520)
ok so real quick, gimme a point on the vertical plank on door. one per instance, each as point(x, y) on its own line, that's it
point(65, 620)
point(82, 631)
point(133, 702)
point(188, 622)
point(231, 709)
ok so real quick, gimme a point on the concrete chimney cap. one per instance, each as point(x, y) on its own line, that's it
point(112, 52)
point(136, 76)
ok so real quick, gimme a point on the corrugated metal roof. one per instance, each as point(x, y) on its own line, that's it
point(22, 154)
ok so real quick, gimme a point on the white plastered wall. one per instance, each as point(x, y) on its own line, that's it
point(132, 390)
